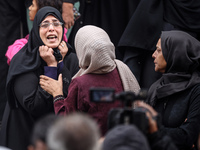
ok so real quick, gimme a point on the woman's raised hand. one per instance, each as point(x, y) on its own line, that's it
point(46, 54)
point(63, 49)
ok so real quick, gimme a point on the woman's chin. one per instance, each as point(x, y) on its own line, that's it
point(52, 45)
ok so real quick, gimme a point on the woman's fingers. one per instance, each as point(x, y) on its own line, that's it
point(44, 77)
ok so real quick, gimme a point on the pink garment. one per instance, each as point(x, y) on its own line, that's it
point(14, 48)
point(18, 44)
point(65, 36)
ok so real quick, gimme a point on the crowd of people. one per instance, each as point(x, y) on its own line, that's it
point(125, 46)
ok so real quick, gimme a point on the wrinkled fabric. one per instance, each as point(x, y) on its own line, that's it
point(182, 54)
point(96, 54)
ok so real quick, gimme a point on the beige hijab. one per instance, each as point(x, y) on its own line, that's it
point(96, 54)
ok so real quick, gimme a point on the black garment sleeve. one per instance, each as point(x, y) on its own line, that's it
point(71, 62)
point(31, 96)
point(186, 134)
point(158, 141)
point(70, 68)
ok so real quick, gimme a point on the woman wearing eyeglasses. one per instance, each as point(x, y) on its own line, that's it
point(44, 54)
point(36, 5)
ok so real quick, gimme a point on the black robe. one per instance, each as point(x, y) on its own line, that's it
point(146, 24)
point(174, 110)
point(13, 26)
point(110, 15)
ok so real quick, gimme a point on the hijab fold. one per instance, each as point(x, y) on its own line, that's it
point(96, 54)
point(28, 58)
point(182, 54)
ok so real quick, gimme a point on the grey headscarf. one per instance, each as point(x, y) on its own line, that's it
point(182, 54)
point(96, 54)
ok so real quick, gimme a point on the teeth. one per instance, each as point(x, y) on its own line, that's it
point(51, 37)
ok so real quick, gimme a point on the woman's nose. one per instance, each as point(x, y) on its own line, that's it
point(51, 27)
point(154, 54)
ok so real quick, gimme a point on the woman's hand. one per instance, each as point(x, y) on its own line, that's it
point(63, 49)
point(151, 114)
point(46, 54)
point(68, 14)
point(53, 87)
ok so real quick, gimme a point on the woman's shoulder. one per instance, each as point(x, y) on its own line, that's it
point(192, 94)
point(71, 60)
point(193, 90)
point(71, 57)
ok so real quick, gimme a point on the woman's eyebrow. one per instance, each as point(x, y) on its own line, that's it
point(46, 21)
point(157, 46)
point(54, 20)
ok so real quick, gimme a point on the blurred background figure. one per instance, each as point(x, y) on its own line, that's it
point(4, 148)
point(76, 131)
point(39, 133)
point(125, 137)
point(13, 26)
point(111, 16)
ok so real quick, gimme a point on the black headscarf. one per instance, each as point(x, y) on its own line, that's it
point(28, 58)
point(182, 54)
point(125, 137)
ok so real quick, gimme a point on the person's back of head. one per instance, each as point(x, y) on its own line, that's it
point(39, 133)
point(125, 137)
point(74, 132)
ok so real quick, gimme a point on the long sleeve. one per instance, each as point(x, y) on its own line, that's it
point(158, 141)
point(70, 68)
point(31, 96)
point(68, 104)
point(51, 72)
point(185, 135)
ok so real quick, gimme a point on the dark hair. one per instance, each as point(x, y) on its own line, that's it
point(53, 3)
point(41, 127)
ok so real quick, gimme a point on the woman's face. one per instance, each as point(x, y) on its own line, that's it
point(33, 10)
point(159, 60)
point(50, 34)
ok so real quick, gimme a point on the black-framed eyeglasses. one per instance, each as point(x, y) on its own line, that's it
point(47, 24)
